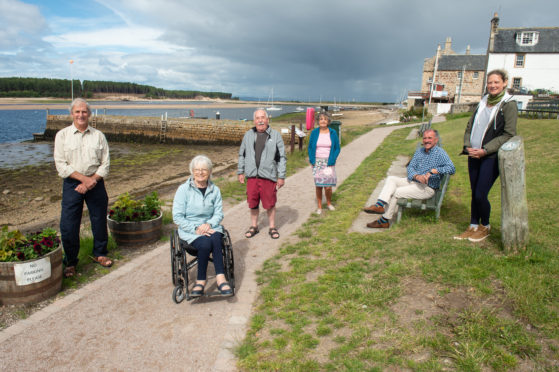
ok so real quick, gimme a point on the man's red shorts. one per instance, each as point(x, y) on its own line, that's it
point(261, 189)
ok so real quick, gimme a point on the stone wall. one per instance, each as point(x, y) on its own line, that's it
point(154, 130)
point(463, 107)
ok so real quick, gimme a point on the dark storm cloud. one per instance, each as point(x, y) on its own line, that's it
point(306, 49)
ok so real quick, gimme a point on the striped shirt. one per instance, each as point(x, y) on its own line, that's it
point(423, 162)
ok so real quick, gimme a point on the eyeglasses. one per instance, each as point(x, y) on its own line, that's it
point(203, 171)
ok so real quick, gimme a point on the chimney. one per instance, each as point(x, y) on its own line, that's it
point(447, 46)
point(468, 50)
point(493, 32)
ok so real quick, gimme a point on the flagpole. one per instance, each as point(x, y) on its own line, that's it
point(72, 79)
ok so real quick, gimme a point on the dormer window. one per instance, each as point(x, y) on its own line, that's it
point(527, 38)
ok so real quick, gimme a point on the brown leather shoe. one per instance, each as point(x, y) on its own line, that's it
point(377, 225)
point(374, 209)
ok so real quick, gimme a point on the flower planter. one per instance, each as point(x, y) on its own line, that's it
point(31, 281)
point(137, 232)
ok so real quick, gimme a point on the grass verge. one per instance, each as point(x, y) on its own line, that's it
point(412, 297)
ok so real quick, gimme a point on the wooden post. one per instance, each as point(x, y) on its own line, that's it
point(292, 138)
point(301, 138)
point(514, 205)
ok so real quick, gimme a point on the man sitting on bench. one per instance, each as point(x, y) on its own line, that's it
point(425, 171)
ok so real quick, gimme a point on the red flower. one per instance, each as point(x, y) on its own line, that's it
point(37, 248)
point(20, 256)
point(154, 212)
point(111, 212)
point(47, 242)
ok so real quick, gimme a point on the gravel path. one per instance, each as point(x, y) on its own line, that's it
point(127, 319)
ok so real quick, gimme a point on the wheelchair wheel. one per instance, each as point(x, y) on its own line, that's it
point(174, 259)
point(179, 294)
point(229, 263)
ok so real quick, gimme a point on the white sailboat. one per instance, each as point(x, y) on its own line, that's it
point(271, 106)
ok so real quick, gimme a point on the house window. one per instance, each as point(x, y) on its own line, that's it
point(527, 38)
point(519, 60)
point(459, 74)
point(476, 74)
point(516, 83)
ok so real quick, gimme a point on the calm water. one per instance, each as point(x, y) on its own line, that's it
point(17, 126)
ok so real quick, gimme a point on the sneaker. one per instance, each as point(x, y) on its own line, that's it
point(318, 211)
point(466, 234)
point(331, 207)
point(480, 234)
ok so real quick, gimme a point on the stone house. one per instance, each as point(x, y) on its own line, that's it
point(459, 77)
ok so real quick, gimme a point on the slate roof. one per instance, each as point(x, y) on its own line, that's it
point(505, 40)
point(471, 62)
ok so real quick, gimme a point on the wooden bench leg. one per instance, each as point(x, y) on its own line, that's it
point(399, 215)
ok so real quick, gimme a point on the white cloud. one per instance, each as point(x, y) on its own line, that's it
point(122, 38)
point(20, 24)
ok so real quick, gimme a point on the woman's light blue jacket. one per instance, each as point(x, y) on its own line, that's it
point(192, 209)
point(334, 150)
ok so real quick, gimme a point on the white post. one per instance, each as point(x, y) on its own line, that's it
point(72, 79)
point(434, 74)
point(461, 81)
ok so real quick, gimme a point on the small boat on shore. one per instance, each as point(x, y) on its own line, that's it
point(271, 106)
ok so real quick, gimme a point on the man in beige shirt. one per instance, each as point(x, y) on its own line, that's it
point(81, 156)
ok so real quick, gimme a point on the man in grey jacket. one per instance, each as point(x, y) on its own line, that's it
point(262, 163)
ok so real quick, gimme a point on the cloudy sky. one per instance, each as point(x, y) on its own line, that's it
point(363, 50)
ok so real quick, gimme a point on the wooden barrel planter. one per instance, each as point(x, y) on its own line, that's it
point(26, 282)
point(136, 232)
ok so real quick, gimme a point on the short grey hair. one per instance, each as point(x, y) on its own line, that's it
point(326, 115)
point(79, 100)
point(257, 110)
point(203, 161)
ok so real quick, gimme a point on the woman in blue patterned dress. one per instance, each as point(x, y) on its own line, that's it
point(324, 148)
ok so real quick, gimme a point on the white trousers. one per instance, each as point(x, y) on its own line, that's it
point(397, 187)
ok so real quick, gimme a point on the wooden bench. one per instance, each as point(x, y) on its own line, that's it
point(433, 203)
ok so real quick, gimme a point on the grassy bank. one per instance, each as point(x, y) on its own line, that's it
point(412, 297)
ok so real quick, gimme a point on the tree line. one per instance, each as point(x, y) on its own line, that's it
point(62, 88)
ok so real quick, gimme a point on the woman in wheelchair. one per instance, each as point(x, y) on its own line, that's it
point(197, 210)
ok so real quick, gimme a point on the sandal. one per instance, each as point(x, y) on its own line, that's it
point(69, 271)
point(253, 230)
point(197, 292)
point(225, 292)
point(103, 261)
point(274, 234)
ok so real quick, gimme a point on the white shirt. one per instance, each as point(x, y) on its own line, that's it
point(86, 153)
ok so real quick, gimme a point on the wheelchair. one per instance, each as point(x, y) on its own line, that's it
point(180, 265)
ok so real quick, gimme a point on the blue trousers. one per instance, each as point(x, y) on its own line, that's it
point(97, 202)
point(483, 174)
point(205, 245)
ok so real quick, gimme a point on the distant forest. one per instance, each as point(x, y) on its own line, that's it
point(62, 88)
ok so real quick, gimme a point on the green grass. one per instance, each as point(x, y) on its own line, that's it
point(412, 297)
point(86, 268)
